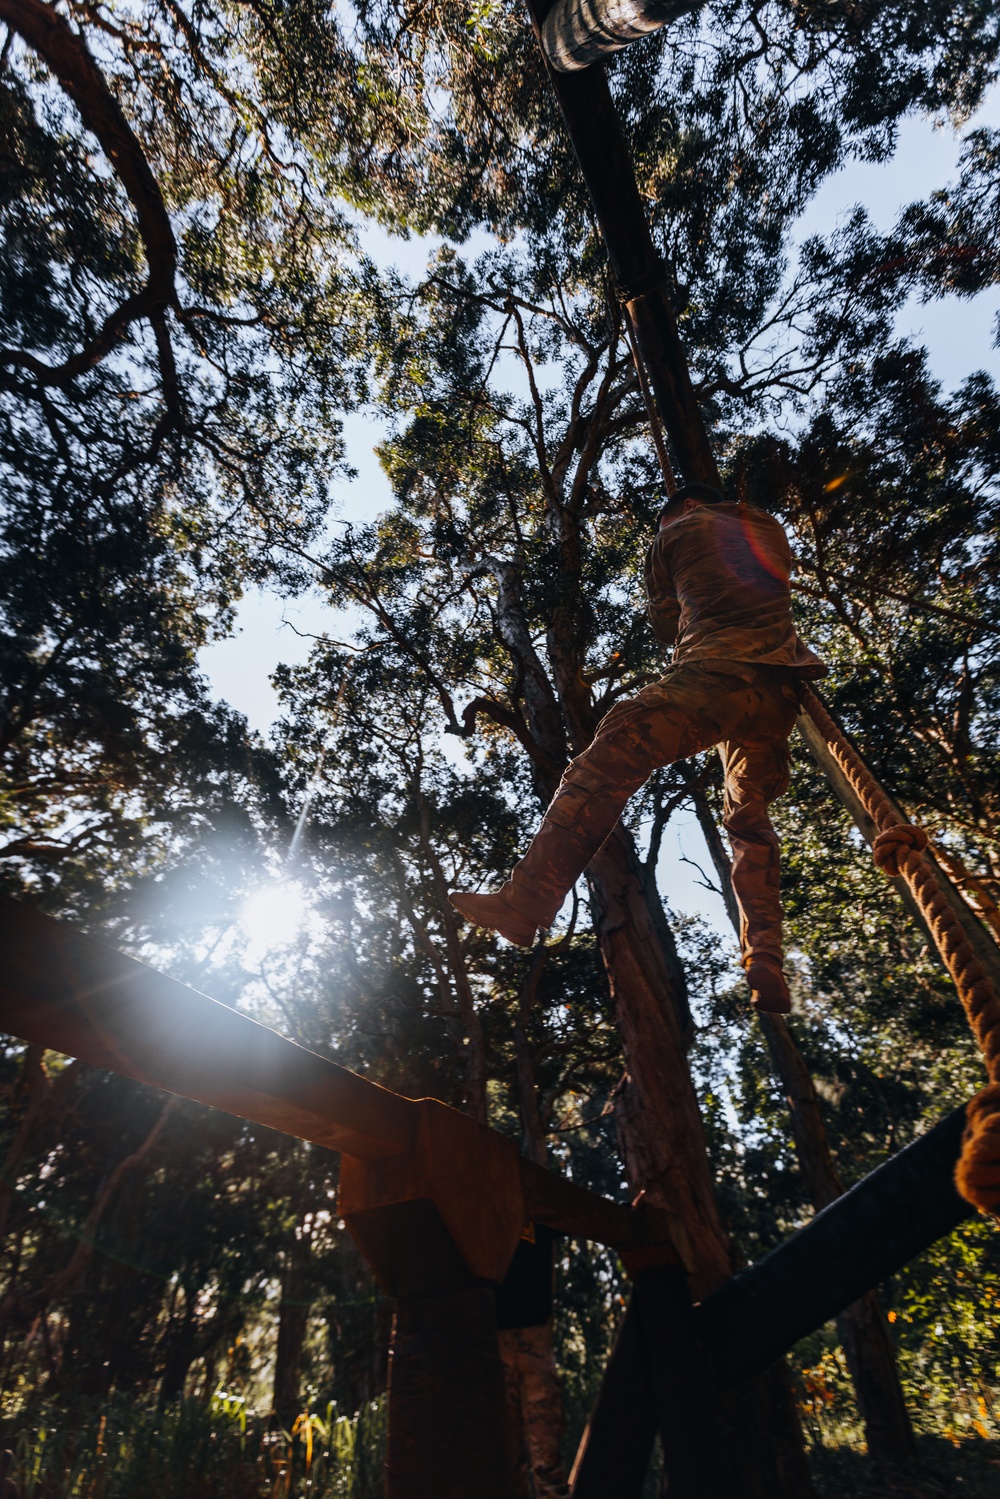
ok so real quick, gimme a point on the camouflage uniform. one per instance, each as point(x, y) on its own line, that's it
point(535, 1411)
point(717, 588)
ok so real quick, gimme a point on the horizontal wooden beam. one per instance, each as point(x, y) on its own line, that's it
point(578, 1212)
point(61, 989)
point(75, 994)
point(876, 1228)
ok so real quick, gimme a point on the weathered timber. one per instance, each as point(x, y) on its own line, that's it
point(447, 1434)
point(877, 1227)
point(595, 131)
point(697, 1464)
point(565, 1206)
point(75, 994)
point(617, 1443)
point(61, 989)
point(578, 33)
point(470, 1173)
point(657, 1378)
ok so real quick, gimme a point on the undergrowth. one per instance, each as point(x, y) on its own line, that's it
point(192, 1451)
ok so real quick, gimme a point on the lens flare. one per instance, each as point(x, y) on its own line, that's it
point(273, 916)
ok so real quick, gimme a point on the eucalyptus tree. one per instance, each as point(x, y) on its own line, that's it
point(525, 508)
point(892, 489)
point(175, 342)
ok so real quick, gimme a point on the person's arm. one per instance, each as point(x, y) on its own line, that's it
point(662, 607)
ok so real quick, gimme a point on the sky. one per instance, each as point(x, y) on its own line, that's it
point(959, 335)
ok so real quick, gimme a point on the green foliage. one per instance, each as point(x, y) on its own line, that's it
point(191, 1451)
point(494, 616)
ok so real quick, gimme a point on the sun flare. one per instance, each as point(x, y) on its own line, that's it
point(274, 915)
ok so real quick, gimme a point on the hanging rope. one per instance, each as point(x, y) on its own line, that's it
point(901, 849)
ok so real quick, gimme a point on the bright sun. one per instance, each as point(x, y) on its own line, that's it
point(272, 916)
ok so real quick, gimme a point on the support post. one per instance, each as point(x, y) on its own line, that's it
point(448, 1433)
point(596, 134)
point(617, 1443)
point(658, 1378)
point(697, 1463)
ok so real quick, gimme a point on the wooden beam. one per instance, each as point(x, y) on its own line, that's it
point(61, 989)
point(575, 1210)
point(617, 1444)
point(697, 1463)
point(865, 1236)
point(596, 133)
point(75, 994)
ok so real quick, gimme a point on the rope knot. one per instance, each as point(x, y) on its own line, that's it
point(977, 1175)
point(894, 842)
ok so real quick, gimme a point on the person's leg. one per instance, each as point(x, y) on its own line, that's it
point(756, 769)
point(688, 710)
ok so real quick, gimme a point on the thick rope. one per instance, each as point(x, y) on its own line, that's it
point(900, 849)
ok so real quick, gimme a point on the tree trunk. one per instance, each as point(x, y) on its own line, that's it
point(659, 1120)
point(862, 1327)
point(43, 1099)
point(658, 1117)
point(293, 1320)
point(663, 1144)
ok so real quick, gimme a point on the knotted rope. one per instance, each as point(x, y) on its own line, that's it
point(901, 849)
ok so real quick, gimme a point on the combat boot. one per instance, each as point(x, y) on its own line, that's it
point(768, 990)
point(496, 913)
point(537, 887)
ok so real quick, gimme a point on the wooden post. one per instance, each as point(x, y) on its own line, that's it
point(595, 130)
point(658, 1378)
point(448, 1436)
point(697, 1462)
point(617, 1443)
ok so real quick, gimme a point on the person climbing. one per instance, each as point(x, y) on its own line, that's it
point(717, 588)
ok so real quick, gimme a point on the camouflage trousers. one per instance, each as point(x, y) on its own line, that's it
point(535, 1416)
point(749, 713)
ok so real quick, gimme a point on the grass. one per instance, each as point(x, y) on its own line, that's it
point(221, 1451)
point(190, 1451)
point(946, 1470)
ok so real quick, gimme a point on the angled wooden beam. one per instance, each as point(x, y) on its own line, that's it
point(617, 1443)
point(61, 989)
point(876, 1228)
point(75, 994)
